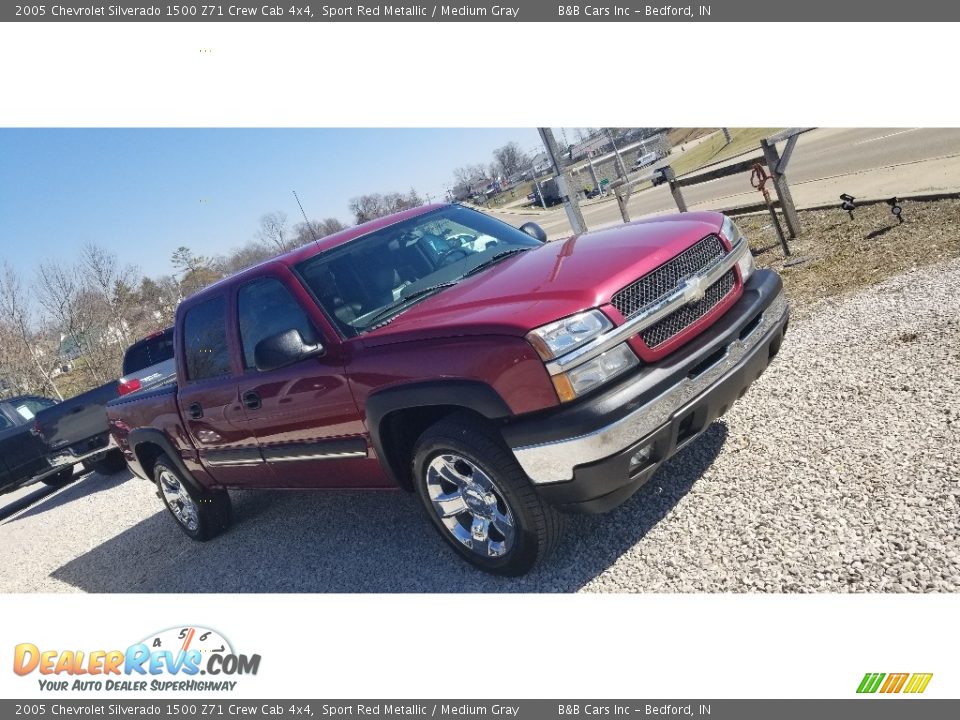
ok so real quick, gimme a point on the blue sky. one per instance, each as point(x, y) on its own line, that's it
point(144, 192)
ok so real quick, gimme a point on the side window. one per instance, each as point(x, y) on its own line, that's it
point(266, 307)
point(205, 340)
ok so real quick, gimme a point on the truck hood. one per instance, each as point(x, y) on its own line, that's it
point(550, 282)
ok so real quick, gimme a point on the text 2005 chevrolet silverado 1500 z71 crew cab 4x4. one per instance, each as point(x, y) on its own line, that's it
point(503, 379)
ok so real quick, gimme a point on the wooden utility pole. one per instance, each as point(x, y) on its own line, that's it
point(779, 177)
point(571, 203)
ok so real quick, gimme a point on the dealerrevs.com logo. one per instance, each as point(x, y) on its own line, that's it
point(172, 659)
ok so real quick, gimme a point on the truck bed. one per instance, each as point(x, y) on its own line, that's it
point(78, 424)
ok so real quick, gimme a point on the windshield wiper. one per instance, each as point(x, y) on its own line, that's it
point(502, 255)
point(404, 301)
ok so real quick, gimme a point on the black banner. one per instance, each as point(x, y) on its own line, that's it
point(507, 11)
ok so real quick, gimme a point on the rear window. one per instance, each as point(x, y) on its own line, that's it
point(150, 351)
point(29, 407)
point(205, 340)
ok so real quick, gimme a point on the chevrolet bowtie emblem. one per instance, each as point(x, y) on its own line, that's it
point(693, 290)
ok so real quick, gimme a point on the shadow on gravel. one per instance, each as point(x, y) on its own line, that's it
point(82, 485)
point(303, 541)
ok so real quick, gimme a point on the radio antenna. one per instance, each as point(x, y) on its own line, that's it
point(302, 212)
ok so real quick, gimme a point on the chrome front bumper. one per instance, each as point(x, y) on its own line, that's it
point(555, 461)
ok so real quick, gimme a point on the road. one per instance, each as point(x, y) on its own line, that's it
point(864, 162)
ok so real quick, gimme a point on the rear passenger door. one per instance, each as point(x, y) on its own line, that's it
point(209, 398)
point(304, 415)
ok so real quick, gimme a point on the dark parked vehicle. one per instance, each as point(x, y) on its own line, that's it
point(148, 363)
point(547, 194)
point(42, 439)
point(503, 379)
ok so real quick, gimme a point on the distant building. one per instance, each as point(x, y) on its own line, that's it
point(587, 148)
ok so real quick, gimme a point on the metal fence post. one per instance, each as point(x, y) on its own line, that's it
point(783, 189)
point(671, 177)
point(593, 175)
point(571, 202)
point(623, 195)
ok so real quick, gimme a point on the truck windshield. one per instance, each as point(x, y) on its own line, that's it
point(375, 277)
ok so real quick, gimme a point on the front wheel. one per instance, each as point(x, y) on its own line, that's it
point(479, 498)
point(201, 514)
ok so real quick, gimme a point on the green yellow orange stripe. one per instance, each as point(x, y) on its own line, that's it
point(894, 683)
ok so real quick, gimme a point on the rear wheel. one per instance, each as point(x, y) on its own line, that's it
point(60, 479)
point(479, 498)
point(201, 514)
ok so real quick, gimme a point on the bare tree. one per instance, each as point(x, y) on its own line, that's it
point(196, 271)
point(510, 159)
point(249, 255)
point(368, 207)
point(467, 177)
point(114, 285)
point(20, 351)
point(372, 206)
point(73, 311)
point(159, 299)
point(273, 230)
point(316, 229)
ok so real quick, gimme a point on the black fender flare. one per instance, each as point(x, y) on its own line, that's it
point(467, 394)
point(153, 436)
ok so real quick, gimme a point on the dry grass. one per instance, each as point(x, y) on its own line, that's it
point(838, 255)
point(716, 148)
point(677, 136)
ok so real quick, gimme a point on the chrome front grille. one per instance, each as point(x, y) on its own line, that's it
point(664, 280)
point(656, 285)
point(673, 323)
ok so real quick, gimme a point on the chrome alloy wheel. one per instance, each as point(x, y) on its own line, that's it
point(470, 505)
point(177, 498)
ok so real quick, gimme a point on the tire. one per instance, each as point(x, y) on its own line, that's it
point(111, 463)
point(201, 514)
point(462, 463)
point(60, 479)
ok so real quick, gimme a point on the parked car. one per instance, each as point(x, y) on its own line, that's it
point(42, 439)
point(646, 159)
point(148, 363)
point(505, 387)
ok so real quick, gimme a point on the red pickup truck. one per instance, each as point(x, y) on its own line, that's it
point(504, 379)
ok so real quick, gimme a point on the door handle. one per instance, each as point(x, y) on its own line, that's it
point(196, 412)
point(251, 400)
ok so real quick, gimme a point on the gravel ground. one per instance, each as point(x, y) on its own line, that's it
point(838, 472)
point(836, 255)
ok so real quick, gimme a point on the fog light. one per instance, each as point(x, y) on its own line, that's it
point(641, 457)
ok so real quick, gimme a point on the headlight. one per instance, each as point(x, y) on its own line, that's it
point(733, 235)
point(562, 336)
point(594, 373)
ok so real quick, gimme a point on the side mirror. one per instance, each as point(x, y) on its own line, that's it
point(282, 349)
point(534, 231)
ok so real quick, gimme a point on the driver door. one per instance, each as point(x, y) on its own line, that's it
point(303, 415)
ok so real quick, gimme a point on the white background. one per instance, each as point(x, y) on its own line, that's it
point(717, 74)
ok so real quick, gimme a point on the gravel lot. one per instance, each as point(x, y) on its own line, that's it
point(838, 472)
